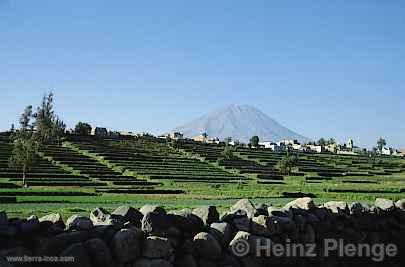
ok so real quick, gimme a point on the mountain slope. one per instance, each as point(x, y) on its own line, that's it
point(240, 123)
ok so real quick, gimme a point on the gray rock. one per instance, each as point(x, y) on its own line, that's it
point(186, 260)
point(100, 254)
point(155, 223)
point(358, 208)
point(152, 208)
point(208, 214)
point(207, 246)
point(305, 203)
point(186, 221)
point(244, 205)
point(245, 243)
point(261, 225)
point(126, 245)
point(55, 218)
point(30, 225)
point(15, 252)
point(223, 232)
point(400, 204)
point(99, 216)
point(79, 255)
point(128, 214)
point(55, 245)
point(262, 209)
point(152, 263)
point(155, 247)
point(252, 261)
point(384, 204)
point(336, 206)
point(206, 263)
point(229, 260)
point(79, 222)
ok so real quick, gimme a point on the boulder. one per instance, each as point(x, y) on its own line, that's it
point(152, 208)
point(15, 252)
point(206, 263)
point(400, 204)
point(208, 214)
point(126, 245)
point(261, 225)
point(127, 214)
point(155, 223)
point(337, 207)
point(56, 244)
point(186, 221)
point(79, 256)
point(100, 254)
point(152, 263)
point(358, 208)
point(244, 205)
point(206, 246)
point(305, 203)
point(30, 225)
point(244, 243)
point(155, 247)
point(384, 204)
point(222, 231)
point(262, 209)
point(99, 216)
point(79, 222)
point(186, 260)
point(55, 218)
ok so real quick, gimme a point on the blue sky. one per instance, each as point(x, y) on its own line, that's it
point(321, 68)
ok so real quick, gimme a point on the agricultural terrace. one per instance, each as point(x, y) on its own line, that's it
point(86, 171)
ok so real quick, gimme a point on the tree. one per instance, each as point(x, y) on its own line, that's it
point(331, 141)
point(24, 155)
point(321, 142)
point(286, 164)
point(25, 147)
point(227, 153)
point(254, 141)
point(380, 144)
point(227, 140)
point(49, 128)
point(82, 128)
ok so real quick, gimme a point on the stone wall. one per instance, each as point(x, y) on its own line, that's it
point(298, 234)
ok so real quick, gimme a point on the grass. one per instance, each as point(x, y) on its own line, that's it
point(356, 179)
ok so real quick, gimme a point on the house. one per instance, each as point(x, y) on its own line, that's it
point(176, 136)
point(125, 133)
point(316, 148)
point(99, 131)
point(203, 138)
point(266, 144)
point(386, 151)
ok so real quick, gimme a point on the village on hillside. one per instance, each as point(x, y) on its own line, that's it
point(320, 146)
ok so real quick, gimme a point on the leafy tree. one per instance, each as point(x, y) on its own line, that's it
point(82, 128)
point(25, 147)
point(254, 141)
point(321, 142)
point(227, 153)
point(331, 141)
point(380, 144)
point(49, 128)
point(286, 164)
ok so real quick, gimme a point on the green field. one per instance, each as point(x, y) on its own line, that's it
point(86, 172)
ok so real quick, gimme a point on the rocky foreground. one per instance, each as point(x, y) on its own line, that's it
point(246, 235)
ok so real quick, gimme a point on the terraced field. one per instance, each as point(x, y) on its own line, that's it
point(87, 171)
point(155, 160)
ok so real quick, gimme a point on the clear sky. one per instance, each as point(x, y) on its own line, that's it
point(321, 68)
